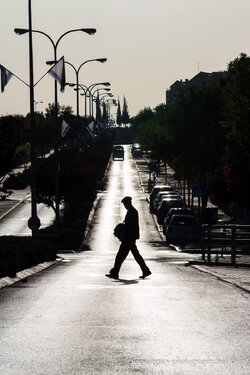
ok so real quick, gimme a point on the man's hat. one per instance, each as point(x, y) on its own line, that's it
point(126, 200)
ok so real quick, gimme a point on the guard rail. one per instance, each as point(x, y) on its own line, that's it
point(231, 238)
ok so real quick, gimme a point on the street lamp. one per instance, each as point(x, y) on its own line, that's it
point(105, 93)
point(88, 91)
point(102, 95)
point(101, 60)
point(19, 31)
point(34, 221)
point(99, 98)
point(90, 88)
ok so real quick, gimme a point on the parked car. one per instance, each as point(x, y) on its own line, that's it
point(118, 152)
point(164, 195)
point(176, 211)
point(182, 228)
point(137, 153)
point(156, 189)
point(134, 147)
point(165, 206)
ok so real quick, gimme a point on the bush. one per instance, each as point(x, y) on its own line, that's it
point(65, 239)
point(19, 253)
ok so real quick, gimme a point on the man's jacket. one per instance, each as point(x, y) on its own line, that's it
point(131, 221)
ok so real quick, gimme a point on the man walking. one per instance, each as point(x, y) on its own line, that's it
point(128, 242)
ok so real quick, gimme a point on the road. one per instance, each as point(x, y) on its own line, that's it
point(15, 223)
point(72, 320)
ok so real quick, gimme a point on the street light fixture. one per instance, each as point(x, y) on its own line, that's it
point(100, 88)
point(102, 95)
point(97, 98)
point(21, 31)
point(90, 88)
point(88, 91)
point(101, 60)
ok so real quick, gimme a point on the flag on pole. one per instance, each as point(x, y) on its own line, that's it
point(65, 128)
point(58, 72)
point(90, 129)
point(5, 77)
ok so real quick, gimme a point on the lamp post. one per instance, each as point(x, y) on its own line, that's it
point(85, 91)
point(21, 31)
point(95, 99)
point(90, 88)
point(88, 91)
point(98, 100)
point(34, 221)
point(101, 60)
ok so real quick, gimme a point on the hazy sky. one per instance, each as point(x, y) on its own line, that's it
point(149, 44)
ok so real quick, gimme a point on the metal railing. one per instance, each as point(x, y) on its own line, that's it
point(230, 239)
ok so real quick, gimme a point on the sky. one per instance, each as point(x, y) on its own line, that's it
point(149, 44)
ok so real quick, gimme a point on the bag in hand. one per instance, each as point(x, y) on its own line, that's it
point(119, 231)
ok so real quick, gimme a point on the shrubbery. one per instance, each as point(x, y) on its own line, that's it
point(19, 253)
point(81, 175)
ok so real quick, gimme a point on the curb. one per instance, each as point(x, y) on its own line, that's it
point(24, 274)
point(214, 274)
point(92, 212)
point(91, 215)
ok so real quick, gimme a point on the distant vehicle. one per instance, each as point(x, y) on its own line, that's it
point(155, 191)
point(118, 152)
point(137, 153)
point(165, 206)
point(134, 147)
point(176, 211)
point(182, 228)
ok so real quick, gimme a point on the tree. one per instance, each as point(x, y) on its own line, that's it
point(150, 130)
point(119, 113)
point(125, 114)
point(98, 108)
point(13, 133)
point(62, 110)
point(236, 124)
point(194, 127)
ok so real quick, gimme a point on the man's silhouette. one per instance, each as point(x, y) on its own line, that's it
point(131, 234)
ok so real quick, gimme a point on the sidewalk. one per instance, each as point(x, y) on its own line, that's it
point(238, 276)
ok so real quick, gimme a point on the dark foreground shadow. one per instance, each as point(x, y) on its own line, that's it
point(127, 282)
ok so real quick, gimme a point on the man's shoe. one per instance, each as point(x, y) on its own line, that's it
point(145, 274)
point(112, 276)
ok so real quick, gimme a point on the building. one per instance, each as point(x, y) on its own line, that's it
point(200, 79)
